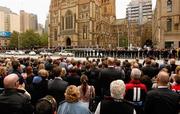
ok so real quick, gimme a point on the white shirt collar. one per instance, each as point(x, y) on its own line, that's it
point(162, 87)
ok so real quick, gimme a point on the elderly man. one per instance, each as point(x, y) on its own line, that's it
point(115, 104)
point(12, 101)
point(135, 90)
point(162, 100)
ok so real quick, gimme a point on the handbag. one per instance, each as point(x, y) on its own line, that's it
point(93, 101)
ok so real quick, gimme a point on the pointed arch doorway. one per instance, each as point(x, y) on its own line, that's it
point(68, 42)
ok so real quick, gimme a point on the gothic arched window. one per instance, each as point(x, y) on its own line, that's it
point(169, 5)
point(69, 19)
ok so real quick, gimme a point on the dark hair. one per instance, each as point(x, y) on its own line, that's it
point(84, 81)
point(56, 71)
point(46, 105)
point(15, 64)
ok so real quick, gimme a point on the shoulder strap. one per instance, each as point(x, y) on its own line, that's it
point(122, 100)
point(62, 102)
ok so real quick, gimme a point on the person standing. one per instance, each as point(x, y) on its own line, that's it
point(108, 75)
point(86, 91)
point(57, 86)
point(72, 105)
point(11, 100)
point(115, 104)
point(162, 100)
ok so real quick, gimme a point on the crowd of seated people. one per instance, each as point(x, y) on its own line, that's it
point(66, 86)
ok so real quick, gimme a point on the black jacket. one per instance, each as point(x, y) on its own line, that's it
point(110, 106)
point(106, 76)
point(57, 88)
point(14, 102)
point(161, 101)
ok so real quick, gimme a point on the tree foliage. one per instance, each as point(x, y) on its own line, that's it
point(28, 40)
point(44, 40)
point(14, 40)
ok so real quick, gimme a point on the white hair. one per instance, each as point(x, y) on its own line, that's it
point(135, 73)
point(117, 89)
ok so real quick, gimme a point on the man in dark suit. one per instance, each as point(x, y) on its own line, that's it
point(148, 69)
point(162, 100)
point(107, 75)
point(57, 87)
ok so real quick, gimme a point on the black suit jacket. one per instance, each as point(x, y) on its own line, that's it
point(106, 76)
point(57, 88)
point(161, 101)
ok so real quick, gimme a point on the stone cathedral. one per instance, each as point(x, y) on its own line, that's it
point(82, 23)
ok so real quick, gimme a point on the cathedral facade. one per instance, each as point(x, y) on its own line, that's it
point(82, 23)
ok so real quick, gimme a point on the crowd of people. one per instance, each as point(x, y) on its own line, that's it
point(67, 86)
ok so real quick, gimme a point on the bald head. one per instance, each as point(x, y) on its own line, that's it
point(163, 78)
point(11, 81)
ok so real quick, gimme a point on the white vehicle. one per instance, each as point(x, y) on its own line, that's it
point(45, 53)
point(66, 54)
point(32, 53)
point(19, 52)
point(11, 52)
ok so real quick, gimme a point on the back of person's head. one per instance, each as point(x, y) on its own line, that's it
point(49, 60)
point(15, 64)
point(29, 70)
point(43, 73)
point(177, 70)
point(118, 63)
point(172, 61)
point(72, 94)
point(110, 61)
point(41, 66)
point(162, 78)
point(63, 72)
point(46, 105)
point(137, 60)
point(148, 61)
point(57, 71)
point(2, 71)
point(135, 74)
point(135, 65)
point(177, 79)
point(11, 81)
point(117, 89)
point(84, 79)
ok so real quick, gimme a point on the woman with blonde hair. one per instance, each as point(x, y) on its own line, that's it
point(72, 105)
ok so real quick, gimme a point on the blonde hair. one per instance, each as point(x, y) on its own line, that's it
point(72, 94)
point(63, 72)
point(43, 73)
point(41, 66)
point(2, 71)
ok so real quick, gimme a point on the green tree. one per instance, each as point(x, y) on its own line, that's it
point(44, 40)
point(14, 40)
point(30, 39)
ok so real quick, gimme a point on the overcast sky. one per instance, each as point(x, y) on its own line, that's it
point(41, 7)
